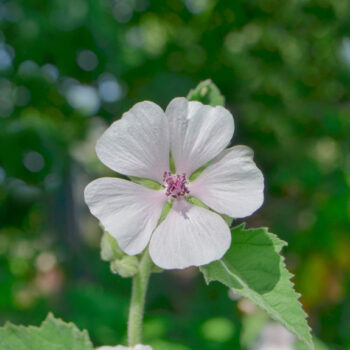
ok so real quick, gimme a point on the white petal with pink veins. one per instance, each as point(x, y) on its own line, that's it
point(138, 143)
point(129, 212)
point(189, 236)
point(232, 184)
point(198, 133)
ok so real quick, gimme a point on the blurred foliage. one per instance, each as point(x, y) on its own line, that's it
point(70, 68)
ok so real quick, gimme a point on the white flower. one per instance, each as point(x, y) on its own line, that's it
point(121, 347)
point(274, 337)
point(139, 145)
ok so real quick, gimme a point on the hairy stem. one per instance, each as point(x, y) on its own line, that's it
point(137, 303)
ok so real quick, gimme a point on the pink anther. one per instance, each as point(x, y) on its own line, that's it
point(175, 185)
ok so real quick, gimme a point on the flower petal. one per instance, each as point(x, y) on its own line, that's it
point(232, 184)
point(198, 133)
point(138, 143)
point(121, 347)
point(129, 212)
point(189, 236)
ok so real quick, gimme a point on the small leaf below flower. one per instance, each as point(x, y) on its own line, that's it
point(254, 268)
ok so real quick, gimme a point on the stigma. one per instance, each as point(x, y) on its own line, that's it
point(175, 185)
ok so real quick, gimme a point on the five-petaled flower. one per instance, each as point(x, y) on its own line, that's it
point(139, 145)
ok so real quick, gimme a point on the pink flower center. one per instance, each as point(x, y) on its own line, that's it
point(175, 185)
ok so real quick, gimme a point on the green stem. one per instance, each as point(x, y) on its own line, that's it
point(137, 303)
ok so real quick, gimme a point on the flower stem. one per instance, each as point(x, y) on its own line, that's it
point(138, 296)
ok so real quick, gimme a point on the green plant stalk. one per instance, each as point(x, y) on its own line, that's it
point(138, 297)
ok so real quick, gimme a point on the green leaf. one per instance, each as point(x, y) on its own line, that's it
point(53, 334)
point(254, 268)
point(319, 345)
point(208, 93)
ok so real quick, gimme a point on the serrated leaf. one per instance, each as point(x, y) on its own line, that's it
point(208, 93)
point(53, 334)
point(254, 268)
point(318, 345)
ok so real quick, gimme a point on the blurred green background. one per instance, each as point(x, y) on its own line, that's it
point(70, 68)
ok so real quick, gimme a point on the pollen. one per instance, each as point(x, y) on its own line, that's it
point(175, 185)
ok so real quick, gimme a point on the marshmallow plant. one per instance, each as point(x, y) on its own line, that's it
point(139, 145)
point(183, 186)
